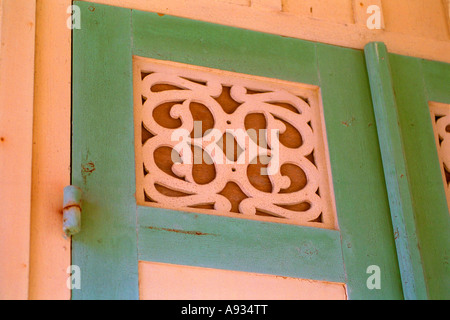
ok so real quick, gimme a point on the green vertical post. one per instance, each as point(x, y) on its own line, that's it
point(395, 171)
point(359, 186)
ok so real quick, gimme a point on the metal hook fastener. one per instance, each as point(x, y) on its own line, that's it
point(72, 210)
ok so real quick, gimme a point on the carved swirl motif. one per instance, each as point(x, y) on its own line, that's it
point(183, 87)
point(441, 123)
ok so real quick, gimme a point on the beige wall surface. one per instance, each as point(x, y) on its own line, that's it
point(17, 25)
point(50, 249)
point(35, 89)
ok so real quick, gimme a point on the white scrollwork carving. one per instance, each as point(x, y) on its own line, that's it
point(186, 85)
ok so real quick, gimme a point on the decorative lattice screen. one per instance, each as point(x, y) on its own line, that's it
point(220, 142)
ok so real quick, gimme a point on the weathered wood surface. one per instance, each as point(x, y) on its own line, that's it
point(395, 171)
point(103, 159)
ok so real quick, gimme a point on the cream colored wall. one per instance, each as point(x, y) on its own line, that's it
point(35, 62)
point(35, 70)
point(17, 25)
point(50, 249)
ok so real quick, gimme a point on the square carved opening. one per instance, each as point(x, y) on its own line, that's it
point(219, 142)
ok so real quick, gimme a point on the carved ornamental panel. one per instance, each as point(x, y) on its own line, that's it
point(219, 142)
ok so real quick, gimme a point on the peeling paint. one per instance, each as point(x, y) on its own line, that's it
point(196, 233)
point(348, 123)
point(307, 250)
point(396, 235)
point(87, 167)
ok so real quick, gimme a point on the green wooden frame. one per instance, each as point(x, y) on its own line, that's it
point(402, 88)
point(116, 233)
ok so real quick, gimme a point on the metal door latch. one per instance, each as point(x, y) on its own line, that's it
point(72, 210)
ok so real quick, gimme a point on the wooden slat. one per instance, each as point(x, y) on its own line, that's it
point(103, 154)
point(167, 281)
point(237, 244)
point(50, 250)
point(16, 129)
point(205, 42)
point(396, 172)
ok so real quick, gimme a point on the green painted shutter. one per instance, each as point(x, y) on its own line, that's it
point(117, 233)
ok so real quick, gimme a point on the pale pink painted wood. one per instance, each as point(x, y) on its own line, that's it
point(159, 281)
point(238, 2)
point(339, 11)
point(447, 14)
point(423, 18)
point(274, 5)
point(16, 124)
point(50, 249)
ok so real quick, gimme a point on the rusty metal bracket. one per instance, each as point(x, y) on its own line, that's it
point(72, 210)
